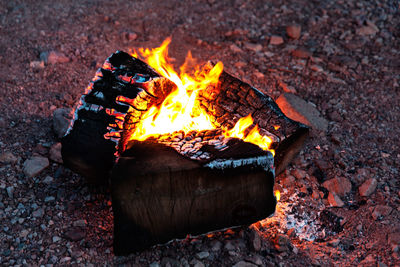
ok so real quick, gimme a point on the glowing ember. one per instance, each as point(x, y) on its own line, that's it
point(179, 110)
point(277, 195)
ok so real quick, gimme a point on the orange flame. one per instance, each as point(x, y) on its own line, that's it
point(179, 111)
point(277, 195)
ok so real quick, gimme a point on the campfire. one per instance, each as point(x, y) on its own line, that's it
point(184, 153)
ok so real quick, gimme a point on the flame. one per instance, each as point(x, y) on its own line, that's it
point(277, 195)
point(179, 110)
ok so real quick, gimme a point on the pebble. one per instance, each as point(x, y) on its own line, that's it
point(235, 48)
point(341, 186)
point(255, 240)
point(299, 174)
point(8, 158)
point(381, 211)
point(61, 121)
point(229, 245)
point(276, 40)
point(79, 223)
point(301, 53)
point(56, 239)
point(202, 255)
point(53, 57)
point(369, 29)
point(49, 199)
point(282, 242)
point(216, 245)
point(293, 31)
point(36, 64)
point(368, 187)
point(38, 213)
point(75, 234)
point(55, 153)
point(334, 200)
point(253, 47)
point(10, 192)
point(130, 36)
point(35, 165)
point(48, 180)
point(299, 110)
point(244, 264)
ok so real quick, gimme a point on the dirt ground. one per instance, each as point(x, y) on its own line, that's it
point(346, 63)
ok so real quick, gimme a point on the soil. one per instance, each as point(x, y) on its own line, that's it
point(345, 63)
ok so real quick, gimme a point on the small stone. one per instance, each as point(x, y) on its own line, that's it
point(244, 264)
point(299, 174)
point(61, 121)
point(131, 36)
point(35, 165)
point(216, 245)
point(23, 233)
point(48, 180)
point(381, 211)
point(155, 264)
point(299, 110)
point(53, 57)
point(276, 40)
point(334, 200)
point(36, 64)
point(293, 31)
point(229, 245)
point(253, 47)
point(198, 264)
point(56, 239)
point(202, 255)
point(368, 187)
point(255, 240)
point(10, 192)
point(282, 242)
point(79, 223)
point(8, 158)
point(368, 261)
point(38, 213)
point(301, 53)
point(369, 29)
point(49, 199)
point(55, 153)
point(288, 181)
point(235, 48)
point(316, 68)
point(75, 234)
point(341, 186)
point(256, 259)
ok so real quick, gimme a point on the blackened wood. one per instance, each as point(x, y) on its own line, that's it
point(159, 195)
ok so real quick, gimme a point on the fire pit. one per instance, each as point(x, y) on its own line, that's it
point(184, 154)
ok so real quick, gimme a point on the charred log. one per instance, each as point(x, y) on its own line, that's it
point(159, 194)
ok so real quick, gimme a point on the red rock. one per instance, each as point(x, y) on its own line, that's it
point(381, 211)
point(275, 40)
point(293, 31)
point(55, 153)
point(301, 53)
point(368, 187)
point(334, 200)
point(299, 110)
point(253, 47)
point(8, 158)
point(338, 185)
point(299, 174)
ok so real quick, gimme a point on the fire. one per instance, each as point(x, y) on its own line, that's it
point(179, 110)
point(277, 195)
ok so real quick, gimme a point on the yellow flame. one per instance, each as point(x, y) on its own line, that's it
point(179, 110)
point(277, 195)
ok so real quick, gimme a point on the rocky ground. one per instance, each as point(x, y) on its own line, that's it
point(340, 197)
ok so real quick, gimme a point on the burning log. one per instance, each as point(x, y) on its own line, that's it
point(169, 182)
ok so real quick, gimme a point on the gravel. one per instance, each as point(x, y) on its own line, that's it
point(347, 69)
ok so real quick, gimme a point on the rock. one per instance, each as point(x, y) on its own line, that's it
point(55, 153)
point(334, 200)
point(130, 36)
point(275, 40)
point(36, 64)
point(35, 165)
point(293, 31)
point(299, 174)
point(56, 239)
point(75, 234)
point(38, 213)
point(202, 255)
point(368, 29)
point(49, 199)
point(255, 240)
point(48, 180)
point(61, 121)
point(369, 261)
point(394, 239)
point(368, 187)
point(244, 264)
point(288, 181)
point(256, 259)
point(235, 48)
point(381, 211)
point(155, 264)
point(229, 245)
point(253, 47)
point(79, 223)
point(53, 57)
point(216, 245)
point(10, 192)
point(341, 186)
point(299, 110)
point(8, 158)
point(282, 243)
point(301, 53)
